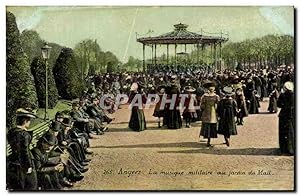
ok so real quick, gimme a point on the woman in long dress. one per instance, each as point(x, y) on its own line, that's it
point(208, 106)
point(287, 119)
point(241, 106)
point(159, 110)
point(173, 117)
point(227, 110)
point(272, 108)
point(137, 119)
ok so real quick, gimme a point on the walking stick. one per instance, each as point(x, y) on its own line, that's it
point(72, 163)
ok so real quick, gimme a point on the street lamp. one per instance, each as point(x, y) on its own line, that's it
point(46, 55)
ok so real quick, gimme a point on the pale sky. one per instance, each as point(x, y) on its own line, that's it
point(115, 27)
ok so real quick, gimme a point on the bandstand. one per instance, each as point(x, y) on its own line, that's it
point(181, 36)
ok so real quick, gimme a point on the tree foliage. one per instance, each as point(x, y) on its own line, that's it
point(271, 50)
point(32, 44)
point(67, 75)
point(133, 64)
point(39, 73)
point(19, 80)
point(91, 59)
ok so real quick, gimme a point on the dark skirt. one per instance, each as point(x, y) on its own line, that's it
point(159, 113)
point(227, 127)
point(137, 120)
point(190, 115)
point(286, 135)
point(174, 119)
point(209, 130)
point(253, 106)
point(272, 105)
point(199, 114)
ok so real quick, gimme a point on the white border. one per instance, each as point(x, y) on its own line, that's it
point(113, 3)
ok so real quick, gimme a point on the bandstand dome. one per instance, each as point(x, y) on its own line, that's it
point(180, 35)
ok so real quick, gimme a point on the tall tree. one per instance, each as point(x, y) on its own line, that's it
point(39, 74)
point(67, 75)
point(19, 80)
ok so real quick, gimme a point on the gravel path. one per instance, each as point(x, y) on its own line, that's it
point(162, 159)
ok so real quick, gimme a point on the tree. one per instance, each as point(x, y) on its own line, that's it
point(19, 80)
point(133, 64)
point(32, 44)
point(38, 72)
point(111, 62)
point(87, 54)
point(270, 49)
point(67, 75)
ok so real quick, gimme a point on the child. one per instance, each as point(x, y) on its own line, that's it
point(227, 110)
point(189, 112)
point(159, 110)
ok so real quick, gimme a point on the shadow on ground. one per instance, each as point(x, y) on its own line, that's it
point(201, 149)
point(158, 145)
point(228, 151)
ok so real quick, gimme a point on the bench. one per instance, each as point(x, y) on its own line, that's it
point(38, 132)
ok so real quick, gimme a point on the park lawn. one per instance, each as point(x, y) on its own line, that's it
point(60, 106)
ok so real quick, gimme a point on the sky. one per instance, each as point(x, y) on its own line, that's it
point(116, 28)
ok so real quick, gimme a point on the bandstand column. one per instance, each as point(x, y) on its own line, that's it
point(202, 52)
point(215, 55)
point(155, 55)
point(211, 53)
point(220, 56)
point(175, 54)
point(167, 54)
point(186, 57)
point(198, 54)
point(144, 68)
point(151, 55)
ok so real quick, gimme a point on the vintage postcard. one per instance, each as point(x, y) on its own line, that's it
point(150, 98)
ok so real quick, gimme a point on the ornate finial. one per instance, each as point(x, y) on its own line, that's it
point(180, 26)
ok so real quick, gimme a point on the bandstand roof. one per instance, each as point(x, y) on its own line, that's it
point(181, 35)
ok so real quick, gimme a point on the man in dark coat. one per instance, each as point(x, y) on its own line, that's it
point(287, 119)
point(21, 172)
point(81, 122)
point(48, 168)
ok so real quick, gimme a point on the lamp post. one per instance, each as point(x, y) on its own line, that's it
point(46, 55)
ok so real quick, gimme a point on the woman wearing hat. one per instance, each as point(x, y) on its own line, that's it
point(172, 115)
point(137, 119)
point(287, 119)
point(227, 111)
point(159, 110)
point(272, 108)
point(208, 106)
point(21, 169)
point(189, 112)
point(241, 106)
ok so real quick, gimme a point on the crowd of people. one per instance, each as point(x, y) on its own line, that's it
point(220, 100)
point(60, 156)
